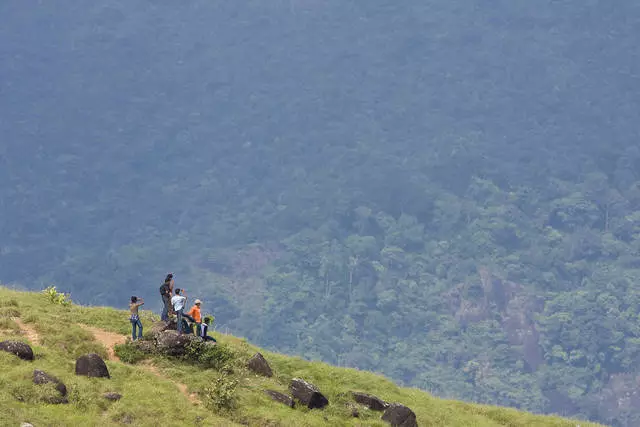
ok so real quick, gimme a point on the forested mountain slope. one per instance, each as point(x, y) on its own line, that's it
point(447, 192)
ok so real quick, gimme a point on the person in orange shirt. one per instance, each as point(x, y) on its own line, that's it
point(197, 315)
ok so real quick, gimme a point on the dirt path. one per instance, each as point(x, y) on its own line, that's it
point(108, 339)
point(27, 330)
point(111, 339)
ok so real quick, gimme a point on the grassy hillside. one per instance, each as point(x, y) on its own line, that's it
point(172, 391)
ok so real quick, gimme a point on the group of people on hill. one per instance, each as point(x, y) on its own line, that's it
point(174, 302)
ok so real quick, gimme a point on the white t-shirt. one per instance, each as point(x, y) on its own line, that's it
point(178, 302)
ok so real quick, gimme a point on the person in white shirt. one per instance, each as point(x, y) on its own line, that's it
point(178, 301)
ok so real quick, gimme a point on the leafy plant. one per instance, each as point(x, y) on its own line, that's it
point(129, 353)
point(219, 356)
point(221, 394)
point(56, 297)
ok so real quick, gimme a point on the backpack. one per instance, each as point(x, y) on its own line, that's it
point(164, 289)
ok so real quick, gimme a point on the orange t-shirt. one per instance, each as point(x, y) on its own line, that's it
point(195, 313)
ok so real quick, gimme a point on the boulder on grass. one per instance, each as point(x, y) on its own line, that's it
point(370, 401)
point(399, 416)
point(281, 397)
point(171, 343)
point(20, 349)
point(259, 365)
point(145, 346)
point(41, 377)
point(308, 394)
point(92, 365)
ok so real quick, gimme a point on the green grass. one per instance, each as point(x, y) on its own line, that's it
point(151, 400)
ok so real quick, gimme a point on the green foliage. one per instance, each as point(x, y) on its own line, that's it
point(56, 297)
point(221, 394)
point(129, 353)
point(217, 356)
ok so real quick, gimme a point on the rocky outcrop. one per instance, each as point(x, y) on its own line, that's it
point(145, 346)
point(259, 365)
point(20, 349)
point(399, 416)
point(281, 397)
point(41, 377)
point(92, 365)
point(159, 327)
point(171, 343)
point(308, 394)
point(372, 402)
point(113, 396)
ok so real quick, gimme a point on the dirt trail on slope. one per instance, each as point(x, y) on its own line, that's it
point(111, 339)
point(27, 330)
point(108, 339)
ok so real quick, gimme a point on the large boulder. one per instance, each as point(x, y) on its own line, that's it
point(159, 327)
point(259, 365)
point(370, 401)
point(41, 377)
point(281, 397)
point(20, 349)
point(308, 394)
point(145, 346)
point(92, 365)
point(399, 416)
point(171, 343)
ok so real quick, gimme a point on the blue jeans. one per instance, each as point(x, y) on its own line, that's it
point(181, 314)
point(135, 322)
point(165, 309)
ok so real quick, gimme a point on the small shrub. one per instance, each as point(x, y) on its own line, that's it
point(56, 297)
point(129, 353)
point(221, 394)
point(219, 356)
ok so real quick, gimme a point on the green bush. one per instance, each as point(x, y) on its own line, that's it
point(221, 394)
point(129, 353)
point(56, 297)
point(219, 356)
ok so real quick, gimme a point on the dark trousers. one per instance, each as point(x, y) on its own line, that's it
point(165, 309)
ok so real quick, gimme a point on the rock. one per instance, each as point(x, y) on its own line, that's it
point(112, 396)
point(259, 365)
point(171, 343)
point(355, 413)
point(159, 327)
point(41, 377)
point(370, 401)
point(307, 394)
point(281, 397)
point(145, 346)
point(399, 416)
point(20, 349)
point(92, 365)
point(26, 425)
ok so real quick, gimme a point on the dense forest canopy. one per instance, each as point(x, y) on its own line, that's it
point(447, 192)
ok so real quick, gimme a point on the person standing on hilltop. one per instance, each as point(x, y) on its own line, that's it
point(166, 291)
point(135, 317)
point(179, 301)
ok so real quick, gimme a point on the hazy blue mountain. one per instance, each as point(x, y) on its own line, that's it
point(444, 191)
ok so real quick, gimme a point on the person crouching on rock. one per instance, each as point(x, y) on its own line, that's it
point(135, 317)
point(196, 314)
point(178, 301)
